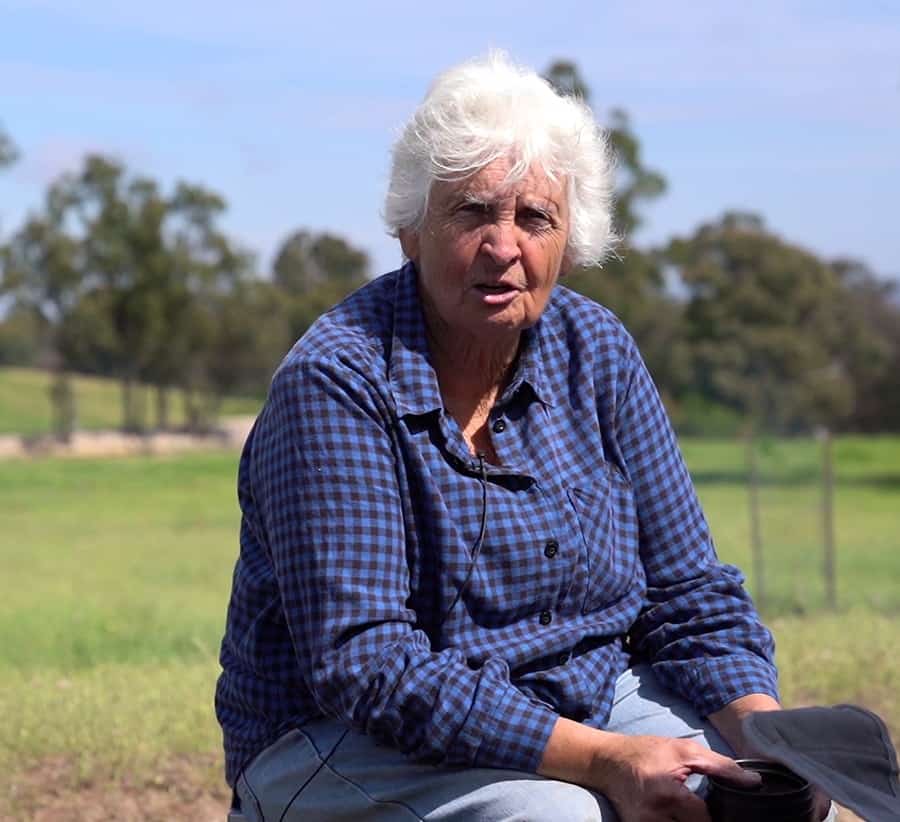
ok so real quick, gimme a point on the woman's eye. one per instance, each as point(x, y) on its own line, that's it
point(474, 208)
point(534, 217)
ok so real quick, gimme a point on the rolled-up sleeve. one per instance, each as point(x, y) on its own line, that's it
point(698, 628)
point(327, 481)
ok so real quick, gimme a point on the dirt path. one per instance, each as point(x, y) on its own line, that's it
point(230, 433)
point(52, 792)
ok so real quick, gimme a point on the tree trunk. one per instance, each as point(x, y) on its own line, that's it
point(127, 403)
point(62, 398)
point(162, 407)
point(134, 411)
point(756, 545)
point(192, 414)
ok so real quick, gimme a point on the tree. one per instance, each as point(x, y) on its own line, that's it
point(252, 333)
point(153, 269)
point(118, 222)
point(19, 327)
point(315, 271)
point(209, 273)
point(632, 283)
point(130, 282)
point(565, 77)
point(762, 321)
point(21, 334)
point(869, 317)
point(307, 261)
point(8, 151)
point(636, 183)
point(42, 273)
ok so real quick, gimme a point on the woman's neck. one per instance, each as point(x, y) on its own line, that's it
point(471, 375)
point(471, 367)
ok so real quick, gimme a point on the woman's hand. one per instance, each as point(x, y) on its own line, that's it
point(643, 776)
point(728, 722)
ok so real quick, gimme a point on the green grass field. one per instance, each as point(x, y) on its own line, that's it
point(866, 518)
point(116, 574)
point(25, 407)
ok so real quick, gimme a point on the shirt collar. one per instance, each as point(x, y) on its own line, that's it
point(413, 380)
point(530, 370)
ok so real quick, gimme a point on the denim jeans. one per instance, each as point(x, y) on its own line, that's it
point(324, 771)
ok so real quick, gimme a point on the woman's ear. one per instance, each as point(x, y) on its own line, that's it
point(409, 242)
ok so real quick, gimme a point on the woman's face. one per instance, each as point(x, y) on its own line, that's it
point(489, 253)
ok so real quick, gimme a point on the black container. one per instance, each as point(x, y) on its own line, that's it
point(782, 796)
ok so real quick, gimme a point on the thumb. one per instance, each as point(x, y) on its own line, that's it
point(713, 764)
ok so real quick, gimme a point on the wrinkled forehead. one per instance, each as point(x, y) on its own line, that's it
point(502, 179)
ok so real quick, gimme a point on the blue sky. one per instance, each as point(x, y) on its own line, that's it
point(789, 109)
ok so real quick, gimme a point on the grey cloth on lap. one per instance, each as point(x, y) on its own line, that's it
point(846, 750)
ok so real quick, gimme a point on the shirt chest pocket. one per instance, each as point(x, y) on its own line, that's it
point(607, 517)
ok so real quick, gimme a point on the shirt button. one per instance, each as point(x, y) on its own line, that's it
point(551, 548)
point(499, 426)
point(545, 618)
point(562, 659)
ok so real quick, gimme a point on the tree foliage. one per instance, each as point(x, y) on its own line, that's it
point(8, 151)
point(315, 271)
point(636, 183)
point(307, 261)
point(41, 273)
point(869, 353)
point(762, 322)
point(126, 280)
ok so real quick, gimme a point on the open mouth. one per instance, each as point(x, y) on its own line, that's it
point(497, 295)
point(500, 288)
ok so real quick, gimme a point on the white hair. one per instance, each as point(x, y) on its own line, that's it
point(489, 108)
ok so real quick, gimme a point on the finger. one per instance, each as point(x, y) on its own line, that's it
point(690, 808)
point(713, 764)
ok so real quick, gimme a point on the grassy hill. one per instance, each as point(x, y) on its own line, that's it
point(25, 403)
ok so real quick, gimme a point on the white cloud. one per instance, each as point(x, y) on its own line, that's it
point(44, 162)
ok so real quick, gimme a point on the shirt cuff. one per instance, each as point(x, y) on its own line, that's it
point(509, 730)
point(714, 682)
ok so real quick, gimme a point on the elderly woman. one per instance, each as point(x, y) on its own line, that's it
point(475, 582)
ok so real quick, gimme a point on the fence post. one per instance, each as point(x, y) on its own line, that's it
point(756, 546)
point(828, 564)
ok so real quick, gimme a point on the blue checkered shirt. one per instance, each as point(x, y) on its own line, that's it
point(366, 591)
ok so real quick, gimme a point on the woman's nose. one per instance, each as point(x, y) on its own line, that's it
point(500, 244)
